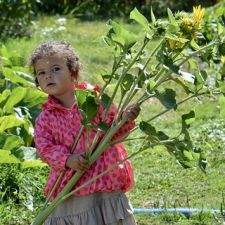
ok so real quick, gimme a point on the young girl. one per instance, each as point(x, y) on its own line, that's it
point(103, 202)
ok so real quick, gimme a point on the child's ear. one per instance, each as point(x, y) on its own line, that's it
point(74, 75)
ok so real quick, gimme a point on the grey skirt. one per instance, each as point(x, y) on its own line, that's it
point(101, 208)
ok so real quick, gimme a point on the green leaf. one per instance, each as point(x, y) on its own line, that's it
point(81, 96)
point(188, 118)
point(16, 59)
point(200, 79)
point(138, 17)
point(7, 122)
point(7, 157)
point(122, 36)
point(5, 94)
point(168, 98)
point(3, 51)
point(33, 97)
point(151, 86)
point(33, 163)
point(167, 61)
point(153, 135)
point(103, 126)
point(11, 75)
point(16, 96)
point(220, 82)
point(90, 107)
point(152, 17)
point(182, 83)
point(105, 100)
point(171, 17)
point(10, 142)
point(194, 45)
point(147, 128)
point(127, 82)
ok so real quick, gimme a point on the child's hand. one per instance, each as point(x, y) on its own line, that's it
point(77, 162)
point(132, 112)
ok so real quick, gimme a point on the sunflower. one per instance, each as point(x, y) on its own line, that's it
point(197, 16)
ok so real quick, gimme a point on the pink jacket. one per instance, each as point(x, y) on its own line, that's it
point(55, 130)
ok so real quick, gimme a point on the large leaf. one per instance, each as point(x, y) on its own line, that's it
point(10, 142)
point(33, 97)
point(152, 17)
point(153, 135)
point(90, 107)
point(81, 96)
point(16, 96)
point(5, 94)
point(138, 17)
point(7, 157)
point(33, 163)
point(87, 104)
point(14, 78)
point(7, 122)
point(168, 98)
point(121, 36)
point(200, 79)
point(105, 100)
point(127, 82)
point(187, 119)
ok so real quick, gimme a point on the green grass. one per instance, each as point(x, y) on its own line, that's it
point(159, 180)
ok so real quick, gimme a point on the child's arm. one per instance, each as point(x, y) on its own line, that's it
point(56, 156)
point(131, 113)
point(51, 153)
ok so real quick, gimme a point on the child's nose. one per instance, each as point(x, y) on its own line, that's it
point(49, 74)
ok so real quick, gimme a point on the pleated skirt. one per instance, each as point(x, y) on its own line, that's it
point(101, 208)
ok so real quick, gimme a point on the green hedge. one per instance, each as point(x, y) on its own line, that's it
point(16, 15)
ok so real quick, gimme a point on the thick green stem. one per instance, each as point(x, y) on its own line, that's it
point(53, 189)
point(141, 149)
point(113, 71)
point(104, 142)
point(198, 51)
point(167, 110)
point(122, 76)
point(133, 91)
point(121, 139)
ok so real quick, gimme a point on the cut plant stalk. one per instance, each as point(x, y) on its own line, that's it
point(142, 148)
point(123, 74)
point(133, 91)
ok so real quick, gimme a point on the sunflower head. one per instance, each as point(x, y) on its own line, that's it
point(197, 16)
point(186, 25)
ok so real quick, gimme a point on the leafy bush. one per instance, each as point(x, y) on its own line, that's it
point(20, 103)
point(17, 15)
point(15, 18)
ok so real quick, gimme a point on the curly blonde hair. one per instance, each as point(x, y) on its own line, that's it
point(50, 48)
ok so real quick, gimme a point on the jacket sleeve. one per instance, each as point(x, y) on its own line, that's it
point(51, 153)
point(122, 132)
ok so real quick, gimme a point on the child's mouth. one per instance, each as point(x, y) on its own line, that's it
point(50, 84)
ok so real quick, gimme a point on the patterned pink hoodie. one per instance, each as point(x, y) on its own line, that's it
point(55, 130)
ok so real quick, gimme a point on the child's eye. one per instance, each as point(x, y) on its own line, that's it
point(41, 73)
point(55, 69)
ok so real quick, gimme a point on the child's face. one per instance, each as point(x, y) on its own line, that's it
point(54, 76)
